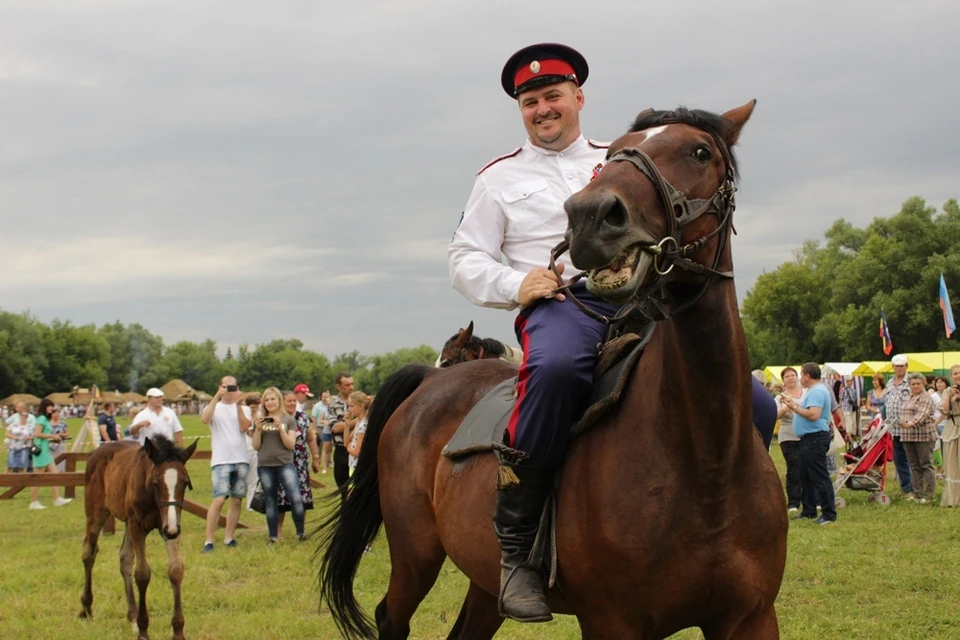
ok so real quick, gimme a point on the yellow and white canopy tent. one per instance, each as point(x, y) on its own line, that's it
point(939, 361)
point(773, 371)
point(843, 368)
point(869, 367)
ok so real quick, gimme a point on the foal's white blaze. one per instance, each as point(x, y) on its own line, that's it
point(170, 479)
point(653, 132)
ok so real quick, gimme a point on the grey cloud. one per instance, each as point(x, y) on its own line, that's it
point(337, 144)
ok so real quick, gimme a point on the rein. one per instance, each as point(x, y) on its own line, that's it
point(666, 257)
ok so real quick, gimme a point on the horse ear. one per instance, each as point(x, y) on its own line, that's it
point(469, 330)
point(186, 453)
point(150, 449)
point(737, 118)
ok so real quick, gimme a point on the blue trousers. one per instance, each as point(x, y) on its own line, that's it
point(560, 345)
point(270, 479)
point(904, 472)
point(817, 487)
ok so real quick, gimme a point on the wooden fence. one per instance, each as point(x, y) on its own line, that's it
point(70, 479)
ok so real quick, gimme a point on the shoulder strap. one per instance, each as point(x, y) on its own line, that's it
point(498, 159)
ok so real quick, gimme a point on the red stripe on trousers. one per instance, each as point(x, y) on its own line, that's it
point(522, 376)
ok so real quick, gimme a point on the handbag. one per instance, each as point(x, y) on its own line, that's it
point(258, 503)
point(35, 450)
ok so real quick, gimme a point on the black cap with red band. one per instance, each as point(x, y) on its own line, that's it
point(542, 64)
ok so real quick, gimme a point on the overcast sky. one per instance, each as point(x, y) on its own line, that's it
point(246, 171)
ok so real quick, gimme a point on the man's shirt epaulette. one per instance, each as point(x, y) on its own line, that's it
point(592, 143)
point(498, 159)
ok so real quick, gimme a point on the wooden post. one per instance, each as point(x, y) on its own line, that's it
point(70, 466)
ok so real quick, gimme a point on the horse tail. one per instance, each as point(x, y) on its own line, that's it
point(347, 532)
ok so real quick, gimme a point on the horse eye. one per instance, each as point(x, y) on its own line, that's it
point(702, 154)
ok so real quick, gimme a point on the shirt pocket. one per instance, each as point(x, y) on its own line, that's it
point(528, 205)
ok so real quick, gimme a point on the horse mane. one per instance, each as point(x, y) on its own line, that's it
point(166, 450)
point(489, 345)
point(705, 120)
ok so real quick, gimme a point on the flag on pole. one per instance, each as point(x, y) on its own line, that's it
point(885, 335)
point(948, 324)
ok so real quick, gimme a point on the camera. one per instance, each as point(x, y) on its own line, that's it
point(232, 387)
point(268, 419)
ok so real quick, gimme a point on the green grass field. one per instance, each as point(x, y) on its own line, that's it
point(880, 572)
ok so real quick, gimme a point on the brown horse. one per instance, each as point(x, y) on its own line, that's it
point(670, 512)
point(144, 487)
point(463, 346)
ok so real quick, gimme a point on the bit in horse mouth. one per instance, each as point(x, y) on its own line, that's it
point(620, 270)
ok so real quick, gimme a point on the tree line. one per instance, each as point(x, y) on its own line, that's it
point(824, 305)
point(43, 358)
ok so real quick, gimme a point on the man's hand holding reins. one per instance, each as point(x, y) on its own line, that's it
point(540, 283)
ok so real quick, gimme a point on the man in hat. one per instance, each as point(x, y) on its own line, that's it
point(515, 216)
point(898, 390)
point(157, 419)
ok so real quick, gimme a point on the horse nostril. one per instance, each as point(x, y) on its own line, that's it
point(614, 214)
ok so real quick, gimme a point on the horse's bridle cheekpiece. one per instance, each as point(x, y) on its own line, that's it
point(669, 251)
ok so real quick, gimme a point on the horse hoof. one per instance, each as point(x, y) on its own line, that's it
point(85, 614)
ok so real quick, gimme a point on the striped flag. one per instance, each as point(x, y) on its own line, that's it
point(885, 335)
point(948, 324)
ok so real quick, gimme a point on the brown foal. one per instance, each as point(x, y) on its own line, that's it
point(143, 487)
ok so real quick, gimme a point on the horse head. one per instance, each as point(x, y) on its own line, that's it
point(169, 480)
point(459, 348)
point(663, 199)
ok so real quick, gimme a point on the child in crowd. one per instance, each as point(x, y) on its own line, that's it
point(357, 405)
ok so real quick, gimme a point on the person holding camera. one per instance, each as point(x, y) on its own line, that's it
point(305, 454)
point(42, 459)
point(229, 420)
point(274, 437)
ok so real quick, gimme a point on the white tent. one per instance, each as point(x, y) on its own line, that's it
point(843, 368)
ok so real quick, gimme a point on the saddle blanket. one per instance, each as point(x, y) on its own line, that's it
point(487, 421)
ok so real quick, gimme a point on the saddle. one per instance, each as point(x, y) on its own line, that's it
point(482, 429)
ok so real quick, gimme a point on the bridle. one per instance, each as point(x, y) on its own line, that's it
point(177, 503)
point(461, 358)
point(669, 251)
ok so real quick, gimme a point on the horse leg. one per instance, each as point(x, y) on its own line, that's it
point(142, 575)
point(175, 572)
point(760, 626)
point(415, 565)
point(479, 618)
point(90, 549)
point(126, 571)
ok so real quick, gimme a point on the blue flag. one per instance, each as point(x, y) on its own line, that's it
point(948, 324)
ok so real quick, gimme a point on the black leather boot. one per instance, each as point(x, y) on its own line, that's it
point(521, 492)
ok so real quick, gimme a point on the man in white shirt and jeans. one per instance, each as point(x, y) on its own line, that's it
point(157, 419)
point(229, 420)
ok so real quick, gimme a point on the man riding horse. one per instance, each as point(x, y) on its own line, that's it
point(515, 215)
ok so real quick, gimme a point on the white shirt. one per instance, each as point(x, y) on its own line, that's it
point(165, 423)
point(515, 214)
point(228, 444)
